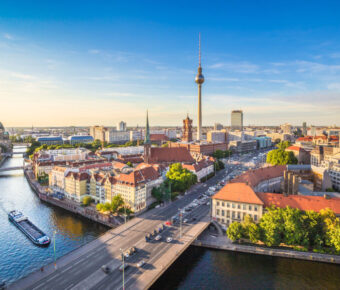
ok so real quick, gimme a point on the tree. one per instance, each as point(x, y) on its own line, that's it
point(116, 203)
point(280, 157)
point(87, 200)
point(129, 164)
point(272, 226)
point(283, 145)
point(181, 179)
point(335, 237)
point(235, 231)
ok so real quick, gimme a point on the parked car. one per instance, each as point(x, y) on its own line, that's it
point(169, 240)
point(157, 238)
point(141, 264)
point(105, 269)
point(123, 267)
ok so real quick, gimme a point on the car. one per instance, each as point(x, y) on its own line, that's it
point(168, 223)
point(185, 220)
point(105, 269)
point(126, 255)
point(141, 264)
point(169, 240)
point(123, 267)
point(157, 238)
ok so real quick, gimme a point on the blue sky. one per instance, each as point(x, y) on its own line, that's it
point(99, 62)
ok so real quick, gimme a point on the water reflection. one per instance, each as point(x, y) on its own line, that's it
point(18, 255)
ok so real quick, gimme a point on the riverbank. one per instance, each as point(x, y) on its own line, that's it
point(87, 212)
point(223, 243)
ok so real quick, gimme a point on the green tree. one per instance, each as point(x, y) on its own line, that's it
point(235, 231)
point(181, 179)
point(129, 164)
point(335, 237)
point(87, 200)
point(280, 157)
point(116, 203)
point(272, 225)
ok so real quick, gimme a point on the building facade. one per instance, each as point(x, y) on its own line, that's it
point(237, 120)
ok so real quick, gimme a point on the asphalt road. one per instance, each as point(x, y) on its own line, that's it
point(133, 233)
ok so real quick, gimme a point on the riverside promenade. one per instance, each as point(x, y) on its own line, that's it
point(208, 240)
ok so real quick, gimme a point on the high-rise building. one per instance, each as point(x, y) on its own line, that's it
point(237, 120)
point(199, 80)
point(218, 127)
point(304, 129)
point(121, 126)
point(286, 128)
point(187, 129)
point(98, 132)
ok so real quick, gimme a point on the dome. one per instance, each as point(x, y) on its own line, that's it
point(199, 79)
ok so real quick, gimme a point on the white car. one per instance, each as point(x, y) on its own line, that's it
point(157, 238)
point(185, 220)
point(169, 240)
point(141, 264)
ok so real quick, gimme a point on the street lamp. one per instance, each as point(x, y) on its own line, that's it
point(180, 223)
point(55, 259)
point(123, 267)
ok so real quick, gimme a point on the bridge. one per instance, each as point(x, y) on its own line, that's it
point(11, 168)
point(81, 269)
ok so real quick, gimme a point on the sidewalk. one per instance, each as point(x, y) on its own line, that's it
point(223, 243)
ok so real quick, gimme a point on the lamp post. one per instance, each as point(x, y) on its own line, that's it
point(55, 259)
point(123, 267)
point(180, 223)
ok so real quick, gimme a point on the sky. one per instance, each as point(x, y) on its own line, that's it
point(83, 63)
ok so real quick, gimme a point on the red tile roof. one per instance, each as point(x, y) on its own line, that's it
point(169, 155)
point(198, 165)
point(238, 192)
point(78, 176)
point(158, 137)
point(294, 148)
point(254, 177)
point(136, 177)
point(315, 203)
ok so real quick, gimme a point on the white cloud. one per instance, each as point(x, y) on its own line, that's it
point(240, 67)
point(8, 36)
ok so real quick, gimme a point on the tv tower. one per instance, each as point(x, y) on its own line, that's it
point(199, 80)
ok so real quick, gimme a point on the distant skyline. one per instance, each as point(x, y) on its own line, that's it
point(81, 63)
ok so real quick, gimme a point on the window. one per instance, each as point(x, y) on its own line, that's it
point(228, 213)
point(228, 205)
point(218, 212)
point(222, 203)
point(255, 208)
point(233, 214)
point(238, 215)
point(222, 212)
point(218, 203)
point(255, 217)
point(233, 205)
point(250, 208)
point(239, 206)
point(244, 207)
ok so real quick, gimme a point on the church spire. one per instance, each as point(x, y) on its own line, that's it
point(147, 129)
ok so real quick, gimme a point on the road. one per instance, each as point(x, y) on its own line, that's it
point(82, 269)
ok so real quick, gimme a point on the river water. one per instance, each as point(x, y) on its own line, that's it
point(197, 268)
point(18, 255)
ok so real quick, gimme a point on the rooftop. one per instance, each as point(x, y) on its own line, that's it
point(315, 203)
point(254, 177)
point(238, 192)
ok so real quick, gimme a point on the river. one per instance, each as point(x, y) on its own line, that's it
point(18, 255)
point(197, 268)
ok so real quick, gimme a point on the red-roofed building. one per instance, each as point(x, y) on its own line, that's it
point(159, 139)
point(234, 201)
point(302, 202)
point(201, 168)
point(167, 156)
point(265, 179)
point(301, 154)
